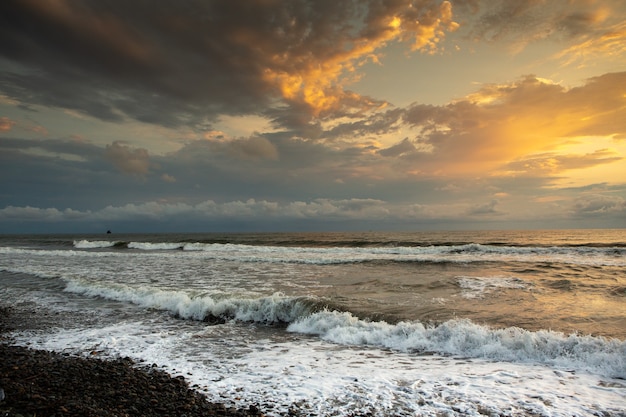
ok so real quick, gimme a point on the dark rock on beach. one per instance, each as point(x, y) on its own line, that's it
point(41, 383)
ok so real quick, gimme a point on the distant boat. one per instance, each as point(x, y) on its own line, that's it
point(108, 232)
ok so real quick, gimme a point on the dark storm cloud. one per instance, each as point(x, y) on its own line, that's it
point(186, 62)
point(69, 91)
point(116, 59)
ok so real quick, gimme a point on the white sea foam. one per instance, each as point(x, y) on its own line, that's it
point(455, 337)
point(478, 287)
point(342, 255)
point(459, 253)
point(155, 246)
point(273, 309)
point(465, 338)
point(317, 378)
point(337, 255)
point(93, 244)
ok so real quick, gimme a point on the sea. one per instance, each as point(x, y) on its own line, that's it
point(464, 323)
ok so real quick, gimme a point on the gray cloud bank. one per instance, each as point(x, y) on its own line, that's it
point(321, 214)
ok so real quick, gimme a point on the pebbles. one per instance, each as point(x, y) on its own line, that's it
point(40, 383)
point(45, 384)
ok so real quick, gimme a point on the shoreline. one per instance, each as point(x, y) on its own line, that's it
point(43, 383)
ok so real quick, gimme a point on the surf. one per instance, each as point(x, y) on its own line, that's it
point(311, 316)
point(465, 253)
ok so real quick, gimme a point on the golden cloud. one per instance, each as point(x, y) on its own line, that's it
point(512, 122)
point(318, 79)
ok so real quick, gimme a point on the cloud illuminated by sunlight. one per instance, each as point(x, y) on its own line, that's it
point(611, 43)
point(241, 126)
point(318, 80)
point(6, 124)
point(502, 123)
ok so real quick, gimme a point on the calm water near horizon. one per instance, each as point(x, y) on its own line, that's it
point(416, 323)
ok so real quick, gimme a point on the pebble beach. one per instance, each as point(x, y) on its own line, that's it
point(41, 383)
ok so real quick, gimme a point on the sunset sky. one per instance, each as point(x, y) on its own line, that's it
point(270, 115)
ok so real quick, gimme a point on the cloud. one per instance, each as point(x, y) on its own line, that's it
point(502, 123)
point(168, 178)
point(311, 148)
point(590, 27)
point(402, 148)
point(606, 209)
point(253, 148)
point(135, 161)
point(599, 205)
point(187, 62)
point(485, 209)
point(251, 210)
point(38, 214)
point(375, 123)
point(609, 42)
point(548, 163)
point(63, 149)
point(515, 135)
point(6, 124)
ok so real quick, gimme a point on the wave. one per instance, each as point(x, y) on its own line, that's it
point(275, 309)
point(95, 244)
point(541, 239)
point(464, 338)
point(155, 246)
point(311, 316)
point(465, 253)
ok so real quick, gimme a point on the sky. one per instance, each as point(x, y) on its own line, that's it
point(311, 115)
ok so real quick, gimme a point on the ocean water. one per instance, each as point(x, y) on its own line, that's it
point(335, 324)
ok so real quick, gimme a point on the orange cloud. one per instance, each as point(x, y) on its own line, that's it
point(317, 79)
point(549, 163)
point(6, 124)
point(509, 122)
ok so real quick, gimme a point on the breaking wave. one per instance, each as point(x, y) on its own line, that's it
point(94, 244)
point(459, 337)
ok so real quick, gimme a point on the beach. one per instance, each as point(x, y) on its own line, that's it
point(43, 383)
